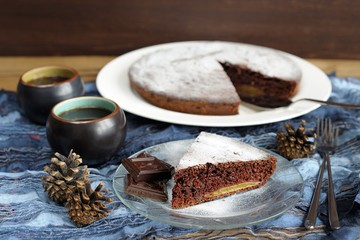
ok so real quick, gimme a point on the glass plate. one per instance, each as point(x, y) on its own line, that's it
point(281, 193)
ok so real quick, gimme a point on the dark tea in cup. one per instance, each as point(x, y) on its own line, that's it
point(47, 80)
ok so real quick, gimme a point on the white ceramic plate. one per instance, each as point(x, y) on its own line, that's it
point(282, 191)
point(113, 82)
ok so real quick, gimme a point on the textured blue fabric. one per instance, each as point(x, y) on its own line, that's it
point(27, 213)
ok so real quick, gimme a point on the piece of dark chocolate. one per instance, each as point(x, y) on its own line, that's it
point(156, 190)
point(145, 167)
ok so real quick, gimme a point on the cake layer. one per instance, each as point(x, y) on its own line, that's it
point(207, 182)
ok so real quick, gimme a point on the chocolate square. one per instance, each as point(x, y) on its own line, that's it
point(156, 190)
point(148, 168)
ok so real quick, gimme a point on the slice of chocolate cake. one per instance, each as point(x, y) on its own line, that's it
point(216, 166)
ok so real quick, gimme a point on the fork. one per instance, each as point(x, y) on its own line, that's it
point(275, 103)
point(326, 144)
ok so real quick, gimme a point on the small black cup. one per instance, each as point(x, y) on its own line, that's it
point(41, 88)
point(94, 127)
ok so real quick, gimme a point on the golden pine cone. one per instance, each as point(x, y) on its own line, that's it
point(63, 172)
point(85, 205)
point(297, 143)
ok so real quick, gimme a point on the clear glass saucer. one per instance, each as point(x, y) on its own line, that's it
point(281, 192)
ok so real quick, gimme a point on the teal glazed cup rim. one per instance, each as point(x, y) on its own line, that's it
point(84, 102)
point(69, 74)
point(93, 127)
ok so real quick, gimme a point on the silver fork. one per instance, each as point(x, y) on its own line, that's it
point(326, 144)
point(275, 103)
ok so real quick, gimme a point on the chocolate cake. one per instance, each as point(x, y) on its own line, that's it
point(208, 77)
point(215, 166)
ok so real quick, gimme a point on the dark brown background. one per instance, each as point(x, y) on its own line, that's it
point(311, 29)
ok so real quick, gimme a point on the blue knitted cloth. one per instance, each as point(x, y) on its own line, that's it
point(27, 213)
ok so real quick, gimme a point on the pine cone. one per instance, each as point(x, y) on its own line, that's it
point(63, 172)
point(85, 205)
point(68, 184)
point(296, 143)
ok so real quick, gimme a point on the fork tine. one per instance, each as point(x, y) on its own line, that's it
point(326, 132)
point(336, 137)
point(321, 129)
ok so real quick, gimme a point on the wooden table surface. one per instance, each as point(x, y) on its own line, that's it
point(88, 66)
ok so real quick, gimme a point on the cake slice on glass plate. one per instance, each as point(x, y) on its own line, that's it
point(216, 166)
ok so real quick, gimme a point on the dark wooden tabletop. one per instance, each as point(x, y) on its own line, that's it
point(309, 29)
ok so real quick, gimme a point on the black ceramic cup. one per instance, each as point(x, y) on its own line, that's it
point(39, 89)
point(94, 127)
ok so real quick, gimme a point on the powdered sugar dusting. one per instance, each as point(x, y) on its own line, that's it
point(178, 72)
point(213, 148)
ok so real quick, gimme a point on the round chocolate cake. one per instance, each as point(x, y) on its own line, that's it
point(211, 77)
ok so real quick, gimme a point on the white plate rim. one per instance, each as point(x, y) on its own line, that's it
point(113, 83)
